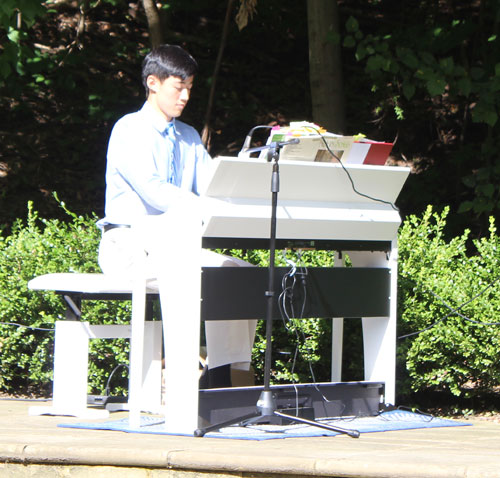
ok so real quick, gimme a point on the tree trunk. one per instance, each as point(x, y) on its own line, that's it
point(205, 135)
point(325, 65)
point(154, 22)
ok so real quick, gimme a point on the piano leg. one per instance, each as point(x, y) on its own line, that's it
point(379, 333)
point(337, 335)
point(337, 349)
point(173, 242)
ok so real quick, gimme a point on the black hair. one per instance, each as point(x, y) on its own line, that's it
point(168, 60)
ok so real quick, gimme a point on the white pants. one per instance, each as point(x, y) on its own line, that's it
point(155, 246)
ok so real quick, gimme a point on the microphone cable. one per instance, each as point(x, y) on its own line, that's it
point(359, 193)
point(289, 286)
point(107, 390)
point(248, 139)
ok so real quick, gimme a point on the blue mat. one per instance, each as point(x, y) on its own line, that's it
point(386, 421)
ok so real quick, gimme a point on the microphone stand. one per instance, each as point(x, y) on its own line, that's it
point(266, 405)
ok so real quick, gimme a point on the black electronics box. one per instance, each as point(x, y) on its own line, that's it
point(311, 401)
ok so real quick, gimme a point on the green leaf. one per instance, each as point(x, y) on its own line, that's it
point(361, 52)
point(425, 73)
point(13, 35)
point(465, 86)
point(495, 84)
point(427, 57)
point(382, 47)
point(20, 68)
point(483, 174)
point(447, 65)
point(398, 111)
point(408, 58)
point(375, 63)
point(465, 206)
point(5, 69)
point(482, 114)
point(352, 25)
point(482, 205)
point(486, 190)
point(469, 181)
point(436, 86)
point(349, 41)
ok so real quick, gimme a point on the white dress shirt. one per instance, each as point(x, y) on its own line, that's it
point(139, 169)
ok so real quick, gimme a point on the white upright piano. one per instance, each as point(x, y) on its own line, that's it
point(318, 207)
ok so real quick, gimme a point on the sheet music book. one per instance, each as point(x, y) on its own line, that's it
point(316, 145)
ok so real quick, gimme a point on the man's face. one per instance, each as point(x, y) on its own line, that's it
point(170, 96)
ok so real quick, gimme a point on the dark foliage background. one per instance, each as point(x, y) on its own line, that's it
point(61, 90)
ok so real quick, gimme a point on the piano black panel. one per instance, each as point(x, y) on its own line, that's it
point(240, 292)
point(236, 293)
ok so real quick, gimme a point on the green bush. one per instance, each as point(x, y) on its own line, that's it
point(449, 292)
point(27, 318)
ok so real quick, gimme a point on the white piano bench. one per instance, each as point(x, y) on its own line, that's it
point(71, 344)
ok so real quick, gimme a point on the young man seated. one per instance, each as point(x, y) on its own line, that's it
point(156, 165)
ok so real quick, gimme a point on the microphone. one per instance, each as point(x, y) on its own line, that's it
point(276, 146)
point(272, 148)
point(245, 153)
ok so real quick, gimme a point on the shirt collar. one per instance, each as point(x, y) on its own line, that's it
point(157, 121)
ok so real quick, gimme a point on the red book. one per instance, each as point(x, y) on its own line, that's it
point(378, 153)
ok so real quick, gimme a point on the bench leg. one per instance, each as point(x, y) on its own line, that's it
point(70, 373)
point(71, 368)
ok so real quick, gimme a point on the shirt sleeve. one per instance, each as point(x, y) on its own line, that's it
point(202, 173)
